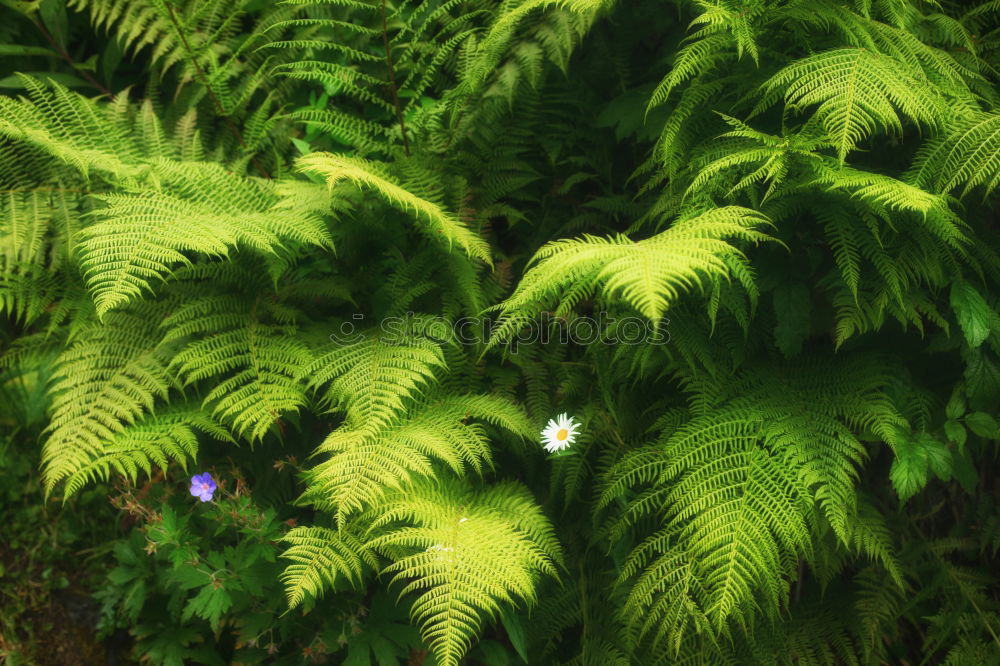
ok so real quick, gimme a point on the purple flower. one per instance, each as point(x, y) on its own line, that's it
point(202, 486)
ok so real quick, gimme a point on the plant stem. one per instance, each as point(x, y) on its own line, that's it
point(65, 56)
point(392, 83)
point(211, 93)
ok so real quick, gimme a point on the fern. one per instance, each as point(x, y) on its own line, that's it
point(440, 223)
point(390, 437)
point(373, 378)
point(157, 439)
point(320, 557)
point(97, 140)
point(108, 378)
point(649, 274)
point(466, 554)
point(965, 154)
point(308, 226)
point(856, 93)
point(757, 473)
point(263, 366)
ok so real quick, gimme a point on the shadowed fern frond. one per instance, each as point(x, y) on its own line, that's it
point(259, 366)
point(440, 224)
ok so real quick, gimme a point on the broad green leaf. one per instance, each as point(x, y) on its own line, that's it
point(915, 459)
point(955, 432)
point(956, 406)
point(972, 311)
point(515, 632)
point(983, 425)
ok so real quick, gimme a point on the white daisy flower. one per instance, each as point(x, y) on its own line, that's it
point(559, 433)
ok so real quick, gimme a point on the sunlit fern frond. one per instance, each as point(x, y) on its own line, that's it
point(170, 435)
point(139, 237)
point(110, 376)
point(856, 93)
point(649, 274)
point(467, 553)
point(375, 376)
point(91, 138)
point(320, 558)
point(361, 466)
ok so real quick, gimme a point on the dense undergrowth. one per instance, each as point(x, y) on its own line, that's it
point(289, 292)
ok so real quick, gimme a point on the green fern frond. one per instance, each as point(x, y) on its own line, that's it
point(467, 553)
point(320, 558)
point(694, 60)
point(170, 435)
point(262, 365)
point(650, 274)
point(929, 53)
point(886, 195)
point(735, 18)
point(737, 487)
point(72, 129)
point(108, 378)
point(441, 224)
point(968, 154)
point(137, 238)
point(373, 379)
point(362, 466)
point(857, 93)
point(494, 45)
point(139, 25)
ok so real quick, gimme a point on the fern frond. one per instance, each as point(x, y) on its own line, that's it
point(363, 466)
point(374, 378)
point(857, 93)
point(72, 129)
point(694, 60)
point(108, 378)
point(467, 554)
point(968, 154)
point(440, 223)
point(650, 274)
point(886, 195)
point(737, 487)
point(493, 46)
point(262, 365)
point(170, 435)
point(320, 558)
point(138, 237)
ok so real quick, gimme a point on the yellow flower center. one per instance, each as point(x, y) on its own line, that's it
point(562, 434)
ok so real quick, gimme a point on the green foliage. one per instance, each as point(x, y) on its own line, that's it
point(335, 169)
point(857, 93)
point(351, 256)
point(467, 553)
